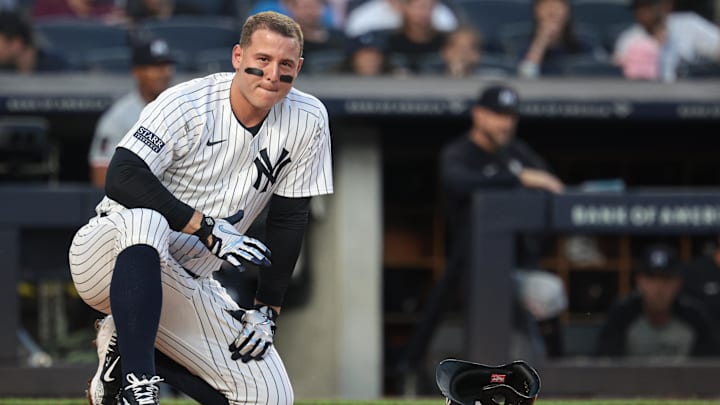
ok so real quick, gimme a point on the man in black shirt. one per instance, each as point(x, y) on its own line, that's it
point(490, 157)
point(657, 320)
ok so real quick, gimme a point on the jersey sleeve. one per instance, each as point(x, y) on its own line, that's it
point(312, 174)
point(152, 138)
point(106, 137)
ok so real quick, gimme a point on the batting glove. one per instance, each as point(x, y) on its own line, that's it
point(225, 242)
point(256, 335)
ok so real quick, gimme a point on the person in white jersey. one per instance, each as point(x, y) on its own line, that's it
point(153, 68)
point(183, 186)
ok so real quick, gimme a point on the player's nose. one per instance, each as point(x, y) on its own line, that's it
point(272, 73)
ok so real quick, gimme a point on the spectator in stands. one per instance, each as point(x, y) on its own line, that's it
point(317, 36)
point(375, 15)
point(366, 56)
point(416, 43)
point(153, 71)
point(18, 51)
point(462, 56)
point(99, 9)
point(702, 281)
point(461, 52)
point(656, 320)
point(661, 42)
point(490, 157)
point(554, 41)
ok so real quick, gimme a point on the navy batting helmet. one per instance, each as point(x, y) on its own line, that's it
point(466, 383)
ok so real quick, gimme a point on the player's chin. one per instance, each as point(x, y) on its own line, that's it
point(269, 98)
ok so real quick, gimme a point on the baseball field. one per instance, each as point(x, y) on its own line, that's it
point(21, 401)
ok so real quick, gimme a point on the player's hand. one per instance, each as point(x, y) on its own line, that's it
point(225, 242)
point(256, 335)
point(534, 178)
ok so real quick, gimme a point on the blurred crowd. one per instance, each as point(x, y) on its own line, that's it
point(638, 39)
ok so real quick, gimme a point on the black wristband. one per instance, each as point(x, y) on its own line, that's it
point(206, 227)
point(267, 310)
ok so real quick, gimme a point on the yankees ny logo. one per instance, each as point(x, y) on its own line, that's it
point(266, 169)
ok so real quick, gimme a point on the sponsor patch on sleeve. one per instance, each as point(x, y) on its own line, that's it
point(148, 138)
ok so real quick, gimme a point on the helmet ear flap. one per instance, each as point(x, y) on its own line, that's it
point(466, 383)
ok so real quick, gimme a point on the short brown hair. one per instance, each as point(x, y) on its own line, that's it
point(272, 21)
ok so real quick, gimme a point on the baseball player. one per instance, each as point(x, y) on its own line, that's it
point(183, 186)
point(153, 69)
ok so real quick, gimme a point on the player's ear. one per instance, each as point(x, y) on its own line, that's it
point(237, 52)
point(299, 65)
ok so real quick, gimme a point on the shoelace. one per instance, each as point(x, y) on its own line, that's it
point(145, 391)
point(113, 343)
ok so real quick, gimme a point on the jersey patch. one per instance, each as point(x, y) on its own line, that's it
point(148, 138)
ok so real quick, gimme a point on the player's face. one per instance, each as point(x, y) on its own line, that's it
point(556, 11)
point(153, 79)
point(272, 57)
point(498, 127)
point(9, 49)
point(658, 292)
point(649, 16)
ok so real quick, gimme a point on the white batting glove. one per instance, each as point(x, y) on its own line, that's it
point(225, 242)
point(256, 335)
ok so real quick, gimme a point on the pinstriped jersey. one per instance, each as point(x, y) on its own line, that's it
point(191, 140)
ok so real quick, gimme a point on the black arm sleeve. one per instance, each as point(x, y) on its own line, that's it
point(130, 182)
point(285, 228)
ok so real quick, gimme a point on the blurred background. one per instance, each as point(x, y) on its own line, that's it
point(603, 269)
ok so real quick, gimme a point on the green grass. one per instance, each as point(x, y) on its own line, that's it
point(19, 401)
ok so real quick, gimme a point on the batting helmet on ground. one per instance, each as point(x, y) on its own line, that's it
point(466, 383)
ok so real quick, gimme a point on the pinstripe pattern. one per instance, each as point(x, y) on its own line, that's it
point(192, 142)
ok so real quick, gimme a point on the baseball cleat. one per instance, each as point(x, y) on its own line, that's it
point(141, 391)
point(104, 386)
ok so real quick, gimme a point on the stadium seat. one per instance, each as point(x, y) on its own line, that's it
point(607, 17)
point(213, 61)
point(108, 60)
point(590, 67)
point(700, 70)
point(192, 35)
point(75, 38)
point(118, 60)
point(489, 16)
point(323, 61)
point(496, 65)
